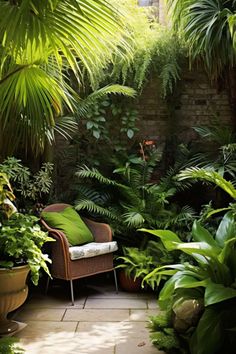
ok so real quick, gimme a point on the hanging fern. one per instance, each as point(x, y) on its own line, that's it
point(155, 49)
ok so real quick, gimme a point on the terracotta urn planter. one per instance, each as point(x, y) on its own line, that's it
point(128, 283)
point(13, 293)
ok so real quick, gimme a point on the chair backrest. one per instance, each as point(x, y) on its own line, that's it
point(56, 207)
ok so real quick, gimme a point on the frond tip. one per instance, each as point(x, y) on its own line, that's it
point(209, 176)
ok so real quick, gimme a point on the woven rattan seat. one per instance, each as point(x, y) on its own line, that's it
point(63, 267)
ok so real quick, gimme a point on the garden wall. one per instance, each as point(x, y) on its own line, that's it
point(196, 101)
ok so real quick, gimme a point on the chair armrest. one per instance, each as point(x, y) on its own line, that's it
point(101, 232)
point(60, 252)
point(57, 234)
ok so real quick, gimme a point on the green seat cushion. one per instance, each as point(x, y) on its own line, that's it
point(71, 224)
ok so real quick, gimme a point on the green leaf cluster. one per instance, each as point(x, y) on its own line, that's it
point(138, 263)
point(8, 345)
point(130, 198)
point(21, 241)
point(156, 49)
point(208, 27)
point(42, 45)
point(211, 277)
point(28, 187)
point(163, 335)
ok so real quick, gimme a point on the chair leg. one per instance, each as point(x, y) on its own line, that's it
point(115, 277)
point(47, 285)
point(72, 292)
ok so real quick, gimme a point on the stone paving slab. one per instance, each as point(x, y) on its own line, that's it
point(109, 292)
point(127, 337)
point(45, 301)
point(38, 330)
point(142, 315)
point(103, 334)
point(39, 314)
point(94, 315)
point(152, 303)
point(101, 322)
point(116, 303)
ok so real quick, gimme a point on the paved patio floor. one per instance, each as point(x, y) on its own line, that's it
point(101, 322)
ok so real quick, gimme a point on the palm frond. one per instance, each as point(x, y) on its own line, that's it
point(209, 176)
point(70, 29)
point(215, 133)
point(66, 126)
point(85, 104)
point(207, 26)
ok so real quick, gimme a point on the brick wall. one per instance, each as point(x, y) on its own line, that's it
point(196, 101)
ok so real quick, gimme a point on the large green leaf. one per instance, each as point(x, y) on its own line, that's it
point(210, 176)
point(201, 234)
point(207, 338)
point(226, 229)
point(228, 251)
point(188, 282)
point(166, 294)
point(217, 293)
point(168, 238)
point(198, 248)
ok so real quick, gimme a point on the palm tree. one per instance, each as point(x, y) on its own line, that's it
point(208, 26)
point(42, 43)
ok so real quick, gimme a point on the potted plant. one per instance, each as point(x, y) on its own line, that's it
point(137, 263)
point(21, 241)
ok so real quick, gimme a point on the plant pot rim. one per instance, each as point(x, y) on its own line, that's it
point(15, 267)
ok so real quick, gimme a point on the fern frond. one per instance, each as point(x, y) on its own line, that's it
point(95, 195)
point(93, 173)
point(133, 219)
point(170, 74)
point(103, 92)
point(196, 173)
point(94, 208)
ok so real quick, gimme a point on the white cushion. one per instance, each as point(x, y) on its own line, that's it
point(92, 249)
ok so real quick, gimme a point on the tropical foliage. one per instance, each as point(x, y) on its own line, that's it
point(9, 345)
point(156, 49)
point(21, 238)
point(131, 200)
point(208, 28)
point(29, 187)
point(41, 45)
point(217, 149)
point(208, 285)
point(138, 263)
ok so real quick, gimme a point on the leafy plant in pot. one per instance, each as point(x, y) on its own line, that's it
point(136, 264)
point(21, 241)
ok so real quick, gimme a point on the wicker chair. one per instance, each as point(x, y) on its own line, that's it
point(63, 267)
